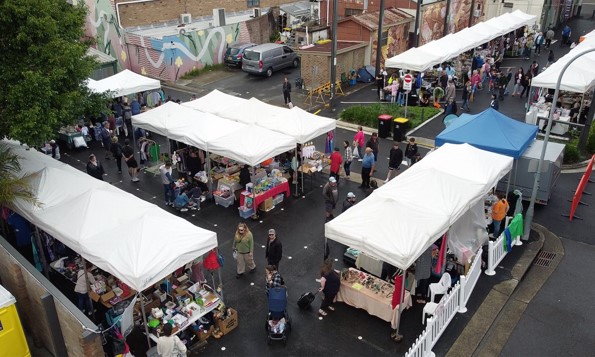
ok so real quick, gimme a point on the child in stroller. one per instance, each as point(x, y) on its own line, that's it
point(278, 323)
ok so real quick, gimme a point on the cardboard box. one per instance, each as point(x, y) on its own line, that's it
point(267, 205)
point(108, 296)
point(229, 323)
point(202, 336)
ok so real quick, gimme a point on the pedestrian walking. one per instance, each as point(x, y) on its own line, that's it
point(286, 91)
point(494, 103)
point(165, 172)
point(550, 58)
point(347, 158)
point(336, 161)
point(475, 83)
point(518, 77)
point(566, 32)
point(410, 151)
point(106, 139)
point(373, 144)
point(243, 248)
point(451, 108)
point(395, 158)
point(349, 201)
point(499, 210)
point(367, 168)
point(329, 286)
point(526, 84)
point(549, 36)
point(451, 91)
point(466, 92)
point(94, 168)
point(358, 143)
point(274, 250)
point(330, 192)
point(539, 40)
point(128, 155)
point(380, 80)
point(116, 150)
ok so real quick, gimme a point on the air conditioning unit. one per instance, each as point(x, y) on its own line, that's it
point(218, 17)
point(185, 18)
point(477, 13)
point(256, 12)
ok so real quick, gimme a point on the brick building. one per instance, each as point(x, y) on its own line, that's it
point(364, 27)
point(146, 12)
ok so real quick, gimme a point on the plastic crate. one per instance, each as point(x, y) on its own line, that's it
point(225, 202)
point(245, 212)
point(278, 199)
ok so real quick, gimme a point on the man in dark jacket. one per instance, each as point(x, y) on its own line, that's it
point(395, 158)
point(274, 250)
point(286, 91)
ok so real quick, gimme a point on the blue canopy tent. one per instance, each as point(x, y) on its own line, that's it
point(490, 130)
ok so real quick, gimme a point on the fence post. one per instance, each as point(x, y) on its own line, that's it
point(429, 339)
point(490, 270)
point(462, 297)
point(518, 241)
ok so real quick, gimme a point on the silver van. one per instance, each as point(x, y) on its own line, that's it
point(267, 58)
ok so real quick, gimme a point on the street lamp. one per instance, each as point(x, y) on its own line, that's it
point(531, 209)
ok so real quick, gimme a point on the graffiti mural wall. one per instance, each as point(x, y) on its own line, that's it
point(432, 22)
point(396, 42)
point(109, 37)
point(459, 13)
point(172, 56)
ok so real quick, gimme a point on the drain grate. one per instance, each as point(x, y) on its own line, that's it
point(544, 259)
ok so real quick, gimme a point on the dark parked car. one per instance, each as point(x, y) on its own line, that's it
point(235, 52)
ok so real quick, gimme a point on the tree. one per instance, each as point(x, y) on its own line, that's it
point(43, 68)
point(11, 185)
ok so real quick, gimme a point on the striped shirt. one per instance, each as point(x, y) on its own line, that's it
point(348, 154)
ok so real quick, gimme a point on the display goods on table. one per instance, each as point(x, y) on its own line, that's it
point(370, 293)
point(264, 191)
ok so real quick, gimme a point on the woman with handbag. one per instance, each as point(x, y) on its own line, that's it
point(243, 247)
point(168, 345)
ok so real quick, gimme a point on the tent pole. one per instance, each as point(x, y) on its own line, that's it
point(508, 183)
point(142, 307)
point(254, 193)
point(444, 241)
point(398, 337)
point(296, 194)
point(516, 167)
point(220, 283)
point(88, 286)
point(134, 142)
point(580, 111)
point(208, 165)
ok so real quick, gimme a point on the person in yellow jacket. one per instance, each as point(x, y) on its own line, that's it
point(499, 213)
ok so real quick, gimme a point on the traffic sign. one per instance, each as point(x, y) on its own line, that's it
point(407, 81)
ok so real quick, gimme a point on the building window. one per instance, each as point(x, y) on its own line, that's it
point(253, 3)
point(351, 12)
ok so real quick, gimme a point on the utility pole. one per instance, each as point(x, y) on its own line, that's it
point(334, 56)
point(417, 23)
point(446, 20)
point(379, 40)
point(471, 12)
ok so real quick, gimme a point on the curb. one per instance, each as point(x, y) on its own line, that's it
point(497, 316)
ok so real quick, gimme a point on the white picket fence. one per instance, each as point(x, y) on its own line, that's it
point(496, 250)
point(445, 312)
point(455, 301)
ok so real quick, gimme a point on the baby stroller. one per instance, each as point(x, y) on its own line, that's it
point(278, 323)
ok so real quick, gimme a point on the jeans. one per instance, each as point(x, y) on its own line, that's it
point(84, 303)
point(347, 167)
point(401, 99)
point(497, 225)
point(465, 104)
point(168, 192)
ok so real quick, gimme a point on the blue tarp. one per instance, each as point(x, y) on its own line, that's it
point(490, 130)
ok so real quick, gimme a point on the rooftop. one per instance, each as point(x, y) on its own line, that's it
point(326, 47)
point(391, 17)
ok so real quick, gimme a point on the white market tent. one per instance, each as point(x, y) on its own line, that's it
point(400, 220)
point(244, 143)
point(425, 57)
point(134, 240)
point(124, 83)
point(580, 75)
point(214, 101)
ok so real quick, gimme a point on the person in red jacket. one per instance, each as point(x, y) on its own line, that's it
point(336, 161)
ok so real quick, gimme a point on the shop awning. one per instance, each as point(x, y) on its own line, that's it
point(400, 220)
point(124, 83)
point(425, 57)
point(134, 240)
point(214, 102)
point(579, 76)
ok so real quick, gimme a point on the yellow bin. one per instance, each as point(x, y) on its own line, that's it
point(12, 337)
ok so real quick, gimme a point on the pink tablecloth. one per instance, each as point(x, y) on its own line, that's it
point(373, 303)
point(284, 187)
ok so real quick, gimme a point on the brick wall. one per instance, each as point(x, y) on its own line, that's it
point(27, 290)
point(154, 11)
point(316, 65)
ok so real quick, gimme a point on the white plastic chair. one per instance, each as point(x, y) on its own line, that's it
point(429, 309)
point(440, 287)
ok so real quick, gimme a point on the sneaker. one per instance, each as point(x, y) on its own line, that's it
point(183, 209)
point(360, 160)
point(202, 198)
point(167, 203)
point(193, 208)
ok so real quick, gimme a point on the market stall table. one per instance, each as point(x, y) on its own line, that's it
point(270, 193)
point(357, 295)
point(69, 137)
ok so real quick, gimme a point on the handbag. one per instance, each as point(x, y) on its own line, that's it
point(355, 151)
point(220, 259)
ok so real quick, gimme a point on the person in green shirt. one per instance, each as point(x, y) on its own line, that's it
point(243, 246)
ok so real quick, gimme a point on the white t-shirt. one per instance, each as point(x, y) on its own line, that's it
point(81, 286)
point(167, 344)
